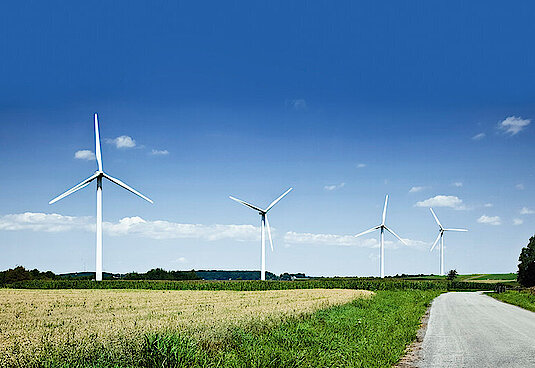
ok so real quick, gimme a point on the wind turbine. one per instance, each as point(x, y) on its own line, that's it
point(99, 174)
point(441, 238)
point(264, 224)
point(382, 227)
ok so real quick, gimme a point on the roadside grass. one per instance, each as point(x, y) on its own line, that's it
point(367, 332)
point(523, 299)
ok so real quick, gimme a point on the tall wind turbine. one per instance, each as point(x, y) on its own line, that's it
point(99, 174)
point(264, 224)
point(441, 238)
point(382, 227)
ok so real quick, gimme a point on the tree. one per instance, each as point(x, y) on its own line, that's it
point(452, 275)
point(526, 265)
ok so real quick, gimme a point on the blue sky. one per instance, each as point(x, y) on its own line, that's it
point(345, 103)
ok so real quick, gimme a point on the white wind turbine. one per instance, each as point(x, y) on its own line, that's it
point(99, 174)
point(441, 238)
point(264, 224)
point(383, 227)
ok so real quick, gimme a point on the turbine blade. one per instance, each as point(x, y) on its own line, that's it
point(121, 184)
point(269, 233)
point(436, 241)
point(368, 231)
point(278, 199)
point(396, 235)
point(77, 187)
point(436, 218)
point(384, 209)
point(247, 204)
point(98, 154)
point(455, 230)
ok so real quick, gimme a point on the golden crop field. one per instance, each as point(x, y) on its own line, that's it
point(35, 322)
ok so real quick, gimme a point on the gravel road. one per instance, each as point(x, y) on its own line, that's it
point(475, 330)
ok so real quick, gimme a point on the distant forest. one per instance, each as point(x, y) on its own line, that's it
point(20, 273)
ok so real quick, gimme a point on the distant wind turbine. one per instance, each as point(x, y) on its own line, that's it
point(382, 227)
point(99, 174)
point(441, 238)
point(264, 224)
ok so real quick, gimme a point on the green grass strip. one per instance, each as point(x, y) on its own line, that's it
point(365, 333)
point(523, 299)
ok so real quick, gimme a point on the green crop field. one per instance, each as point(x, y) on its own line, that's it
point(373, 284)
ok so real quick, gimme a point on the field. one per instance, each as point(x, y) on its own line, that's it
point(373, 284)
point(524, 299)
point(217, 324)
point(491, 278)
point(107, 318)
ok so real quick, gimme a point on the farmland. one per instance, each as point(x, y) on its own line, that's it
point(299, 327)
point(341, 321)
point(44, 322)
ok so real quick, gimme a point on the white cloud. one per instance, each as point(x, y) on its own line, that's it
point(84, 155)
point(517, 221)
point(519, 186)
point(490, 220)
point(123, 141)
point(48, 222)
point(488, 205)
point(328, 239)
point(443, 201)
point(479, 136)
point(513, 125)
point(361, 165)
point(181, 260)
point(295, 238)
point(457, 184)
point(131, 226)
point(526, 211)
point(161, 229)
point(334, 187)
point(416, 189)
point(159, 152)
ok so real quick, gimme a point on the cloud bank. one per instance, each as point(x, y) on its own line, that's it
point(128, 226)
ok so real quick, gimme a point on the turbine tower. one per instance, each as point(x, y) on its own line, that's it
point(264, 224)
point(98, 175)
point(441, 238)
point(382, 227)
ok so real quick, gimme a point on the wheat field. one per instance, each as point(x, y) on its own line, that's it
point(34, 323)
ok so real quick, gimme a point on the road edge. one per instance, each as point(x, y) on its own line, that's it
point(413, 352)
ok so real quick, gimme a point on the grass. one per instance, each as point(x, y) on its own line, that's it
point(366, 332)
point(523, 299)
